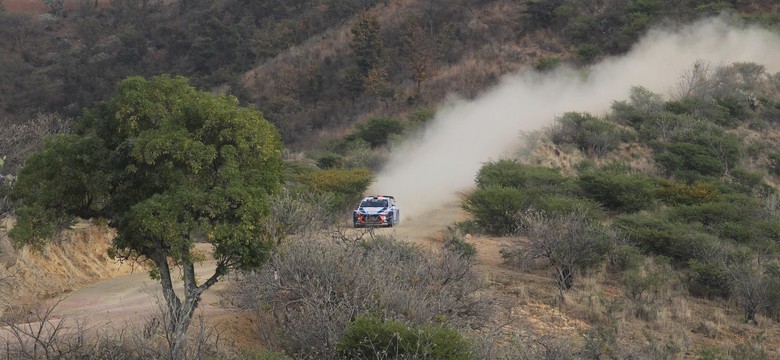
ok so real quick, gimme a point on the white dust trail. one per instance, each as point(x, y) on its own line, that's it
point(428, 174)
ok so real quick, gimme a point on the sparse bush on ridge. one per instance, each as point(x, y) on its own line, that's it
point(455, 242)
point(569, 242)
point(624, 257)
point(589, 133)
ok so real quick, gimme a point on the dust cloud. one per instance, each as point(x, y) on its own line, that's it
point(430, 173)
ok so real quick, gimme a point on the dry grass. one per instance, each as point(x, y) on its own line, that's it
point(669, 324)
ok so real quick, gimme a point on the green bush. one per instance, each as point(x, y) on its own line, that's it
point(657, 235)
point(347, 185)
point(637, 284)
point(582, 28)
point(749, 182)
point(330, 161)
point(687, 106)
point(713, 8)
point(733, 208)
point(600, 137)
point(588, 132)
point(708, 279)
point(422, 116)
point(510, 173)
point(376, 132)
point(548, 63)
point(741, 232)
point(663, 126)
point(679, 157)
point(540, 13)
point(619, 191)
point(496, 208)
point(625, 258)
point(757, 148)
point(560, 204)
point(588, 52)
point(731, 111)
point(372, 338)
point(455, 241)
point(644, 105)
point(567, 127)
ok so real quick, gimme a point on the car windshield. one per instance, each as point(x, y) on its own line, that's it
point(374, 203)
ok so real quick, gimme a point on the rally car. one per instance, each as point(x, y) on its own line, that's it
point(378, 210)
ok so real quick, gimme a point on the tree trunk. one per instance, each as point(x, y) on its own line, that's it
point(179, 314)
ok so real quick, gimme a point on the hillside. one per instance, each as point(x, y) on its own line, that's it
point(661, 121)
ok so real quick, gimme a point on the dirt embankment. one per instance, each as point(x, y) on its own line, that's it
point(77, 258)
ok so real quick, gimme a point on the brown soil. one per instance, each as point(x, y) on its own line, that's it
point(33, 7)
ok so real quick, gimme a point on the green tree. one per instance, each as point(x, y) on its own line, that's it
point(366, 44)
point(56, 6)
point(377, 131)
point(166, 165)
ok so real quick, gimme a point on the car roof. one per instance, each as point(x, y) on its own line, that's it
point(375, 197)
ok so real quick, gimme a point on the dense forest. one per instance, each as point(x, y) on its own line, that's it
point(656, 204)
point(316, 66)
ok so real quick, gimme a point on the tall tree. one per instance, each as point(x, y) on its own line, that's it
point(366, 44)
point(56, 6)
point(167, 166)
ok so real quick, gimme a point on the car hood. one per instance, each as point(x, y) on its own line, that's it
point(373, 210)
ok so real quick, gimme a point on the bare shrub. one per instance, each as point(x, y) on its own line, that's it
point(156, 339)
point(568, 242)
point(315, 287)
point(18, 141)
point(39, 334)
point(751, 285)
point(302, 214)
point(693, 82)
